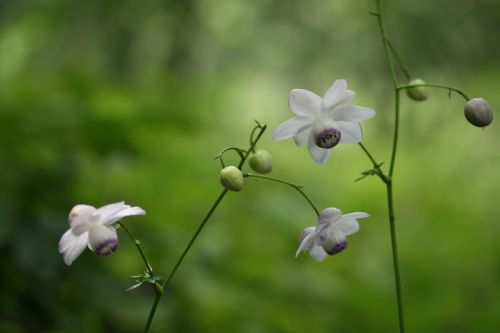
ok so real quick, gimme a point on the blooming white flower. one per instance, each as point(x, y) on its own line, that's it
point(323, 123)
point(93, 228)
point(328, 237)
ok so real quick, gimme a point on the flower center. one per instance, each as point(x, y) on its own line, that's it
point(337, 248)
point(107, 247)
point(327, 138)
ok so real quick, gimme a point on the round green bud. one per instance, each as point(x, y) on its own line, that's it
point(416, 93)
point(231, 178)
point(261, 161)
point(478, 112)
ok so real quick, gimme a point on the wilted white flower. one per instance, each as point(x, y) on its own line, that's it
point(323, 123)
point(328, 237)
point(94, 228)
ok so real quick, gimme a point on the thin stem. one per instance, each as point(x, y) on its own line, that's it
point(197, 232)
point(376, 165)
point(396, 133)
point(157, 288)
point(385, 41)
point(395, 259)
point(400, 62)
point(137, 244)
point(297, 187)
point(214, 206)
point(408, 86)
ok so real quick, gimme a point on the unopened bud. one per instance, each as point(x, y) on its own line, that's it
point(261, 161)
point(231, 178)
point(478, 112)
point(416, 93)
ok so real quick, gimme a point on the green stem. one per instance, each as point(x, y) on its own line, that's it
point(297, 187)
point(389, 181)
point(385, 42)
point(157, 288)
point(214, 206)
point(137, 244)
point(395, 258)
point(396, 133)
point(408, 86)
point(376, 165)
point(399, 61)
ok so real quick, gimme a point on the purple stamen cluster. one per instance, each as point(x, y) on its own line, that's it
point(107, 247)
point(328, 138)
point(337, 248)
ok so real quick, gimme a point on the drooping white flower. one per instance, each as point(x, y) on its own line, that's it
point(323, 123)
point(328, 237)
point(93, 228)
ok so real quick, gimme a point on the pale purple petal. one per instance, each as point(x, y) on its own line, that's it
point(351, 113)
point(123, 213)
point(306, 240)
point(350, 132)
point(335, 95)
point(304, 102)
point(71, 245)
point(318, 253)
point(302, 136)
point(320, 155)
point(329, 215)
point(291, 127)
point(348, 224)
point(105, 212)
point(103, 240)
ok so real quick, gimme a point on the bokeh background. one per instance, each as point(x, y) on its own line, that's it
point(102, 101)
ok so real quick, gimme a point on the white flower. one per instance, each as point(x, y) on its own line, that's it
point(93, 228)
point(328, 237)
point(323, 123)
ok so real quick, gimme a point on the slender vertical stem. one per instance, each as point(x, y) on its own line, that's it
point(395, 258)
point(137, 244)
point(389, 181)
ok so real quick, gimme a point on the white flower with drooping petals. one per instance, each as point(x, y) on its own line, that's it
point(323, 123)
point(94, 228)
point(328, 237)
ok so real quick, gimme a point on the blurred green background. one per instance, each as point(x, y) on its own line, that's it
point(102, 101)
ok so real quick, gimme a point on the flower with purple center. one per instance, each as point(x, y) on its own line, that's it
point(323, 123)
point(328, 237)
point(94, 228)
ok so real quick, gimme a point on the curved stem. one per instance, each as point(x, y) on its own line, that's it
point(399, 61)
point(385, 41)
point(408, 86)
point(214, 206)
point(297, 187)
point(396, 133)
point(376, 165)
point(157, 288)
point(137, 244)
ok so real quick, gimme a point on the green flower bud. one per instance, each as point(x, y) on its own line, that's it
point(261, 161)
point(478, 112)
point(416, 93)
point(231, 178)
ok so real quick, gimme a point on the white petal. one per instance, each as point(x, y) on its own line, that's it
point(306, 240)
point(329, 215)
point(291, 127)
point(122, 213)
point(335, 95)
point(320, 155)
point(350, 132)
point(302, 136)
point(80, 213)
point(103, 240)
point(351, 113)
point(304, 102)
point(348, 224)
point(318, 253)
point(71, 245)
point(105, 212)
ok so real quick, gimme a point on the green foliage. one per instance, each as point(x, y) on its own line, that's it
point(103, 101)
